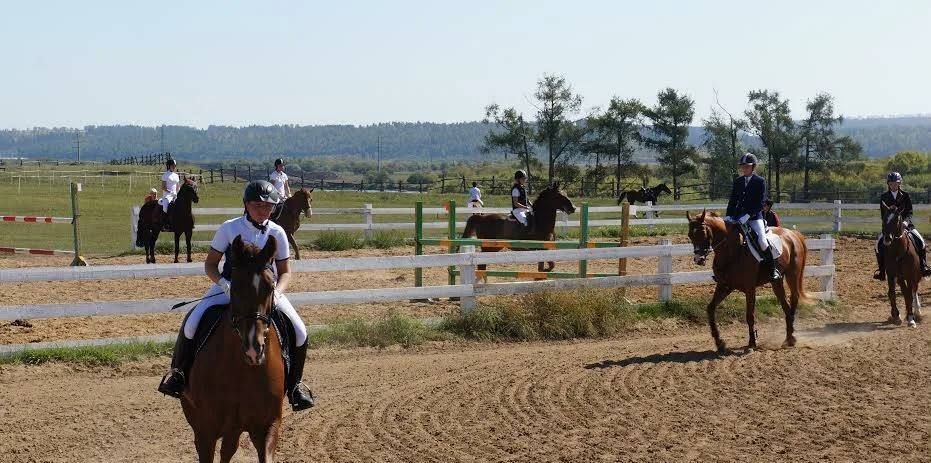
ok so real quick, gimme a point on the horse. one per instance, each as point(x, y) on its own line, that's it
point(237, 380)
point(902, 265)
point(736, 269)
point(150, 225)
point(181, 217)
point(543, 223)
point(644, 194)
point(290, 216)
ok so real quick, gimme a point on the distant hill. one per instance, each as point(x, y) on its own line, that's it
point(399, 140)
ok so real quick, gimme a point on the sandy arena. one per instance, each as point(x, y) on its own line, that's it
point(853, 390)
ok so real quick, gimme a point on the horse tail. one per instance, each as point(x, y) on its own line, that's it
point(802, 252)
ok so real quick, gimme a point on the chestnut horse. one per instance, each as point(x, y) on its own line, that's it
point(543, 223)
point(237, 379)
point(290, 216)
point(736, 269)
point(181, 217)
point(902, 265)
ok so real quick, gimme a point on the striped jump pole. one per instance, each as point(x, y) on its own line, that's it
point(73, 220)
point(35, 252)
point(34, 219)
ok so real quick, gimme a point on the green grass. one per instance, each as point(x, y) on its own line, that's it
point(110, 355)
point(394, 329)
point(387, 239)
point(338, 241)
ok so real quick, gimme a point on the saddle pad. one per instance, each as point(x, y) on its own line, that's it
point(211, 320)
point(775, 242)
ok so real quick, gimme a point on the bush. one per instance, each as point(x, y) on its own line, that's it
point(337, 241)
point(387, 239)
point(393, 329)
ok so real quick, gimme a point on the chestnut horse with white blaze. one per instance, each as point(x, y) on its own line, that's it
point(735, 269)
point(902, 265)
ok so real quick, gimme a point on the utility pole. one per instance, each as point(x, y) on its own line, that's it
point(77, 144)
point(161, 131)
point(379, 155)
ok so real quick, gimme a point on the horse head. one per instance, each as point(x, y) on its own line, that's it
point(305, 198)
point(893, 227)
point(188, 191)
point(702, 231)
point(552, 198)
point(661, 188)
point(252, 292)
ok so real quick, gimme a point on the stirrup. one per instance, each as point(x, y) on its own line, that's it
point(301, 398)
point(172, 383)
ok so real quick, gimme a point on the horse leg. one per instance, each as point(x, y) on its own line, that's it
point(297, 251)
point(177, 241)
point(917, 304)
point(894, 317)
point(751, 317)
point(229, 446)
point(187, 239)
point(908, 296)
point(265, 441)
point(720, 292)
point(206, 448)
point(788, 309)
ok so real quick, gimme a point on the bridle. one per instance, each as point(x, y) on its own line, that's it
point(236, 319)
point(705, 250)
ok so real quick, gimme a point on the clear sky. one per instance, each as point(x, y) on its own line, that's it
point(76, 63)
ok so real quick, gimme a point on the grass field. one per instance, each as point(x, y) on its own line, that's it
point(105, 204)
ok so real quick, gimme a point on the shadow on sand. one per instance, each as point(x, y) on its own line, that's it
point(671, 357)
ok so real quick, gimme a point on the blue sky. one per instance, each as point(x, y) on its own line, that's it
point(241, 63)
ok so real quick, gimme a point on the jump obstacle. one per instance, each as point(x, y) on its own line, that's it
point(452, 241)
point(73, 220)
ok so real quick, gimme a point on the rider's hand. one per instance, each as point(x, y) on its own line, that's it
point(744, 218)
point(224, 284)
point(729, 219)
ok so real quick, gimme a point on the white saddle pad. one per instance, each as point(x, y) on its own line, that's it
point(775, 242)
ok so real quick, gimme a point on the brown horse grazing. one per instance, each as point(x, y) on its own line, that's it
point(290, 217)
point(736, 269)
point(150, 225)
point(543, 223)
point(644, 194)
point(237, 379)
point(181, 217)
point(902, 265)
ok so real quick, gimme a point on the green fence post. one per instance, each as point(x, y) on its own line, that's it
point(452, 236)
point(583, 239)
point(78, 260)
point(418, 246)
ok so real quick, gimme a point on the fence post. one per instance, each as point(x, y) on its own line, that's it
point(418, 236)
point(837, 215)
point(452, 236)
point(221, 175)
point(75, 214)
point(468, 303)
point(649, 215)
point(827, 258)
point(369, 223)
point(664, 270)
point(234, 174)
point(622, 242)
point(583, 239)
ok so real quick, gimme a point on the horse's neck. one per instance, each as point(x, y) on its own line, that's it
point(726, 247)
point(544, 220)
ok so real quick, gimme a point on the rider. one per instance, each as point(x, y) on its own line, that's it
point(771, 217)
point(520, 205)
point(475, 196)
point(170, 183)
point(892, 196)
point(253, 227)
point(746, 205)
point(280, 180)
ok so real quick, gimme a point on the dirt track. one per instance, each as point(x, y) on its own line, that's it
point(853, 390)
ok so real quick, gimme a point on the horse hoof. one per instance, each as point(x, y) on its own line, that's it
point(722, 347)
point(912, 323)
point(789, 342)
point(189, 260)
point(894, 320)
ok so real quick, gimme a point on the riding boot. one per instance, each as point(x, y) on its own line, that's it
point(923, 256)
point(773, 265)
point(181, 361)
point(166, 222)
point(880, 273)
point(299, 395)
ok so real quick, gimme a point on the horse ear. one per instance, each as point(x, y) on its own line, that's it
point(311, 190)
point(703, 212)
point(268, 252)
point(238, 247)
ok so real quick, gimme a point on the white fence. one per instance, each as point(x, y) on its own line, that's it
point(664, 279)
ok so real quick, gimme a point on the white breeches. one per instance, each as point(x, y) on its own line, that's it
point(284, 305)
point(521, 215)
point(759, 227)
point(167, 198)
point(914, 233)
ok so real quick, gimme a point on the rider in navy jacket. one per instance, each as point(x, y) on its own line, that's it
point(746, 207)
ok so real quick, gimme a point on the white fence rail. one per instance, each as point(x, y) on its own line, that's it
point(664, 279)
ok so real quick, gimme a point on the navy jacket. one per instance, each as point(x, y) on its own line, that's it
point(904, 201)
point(747, 199)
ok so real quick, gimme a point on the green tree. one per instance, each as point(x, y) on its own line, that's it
point(615, 134)
point(557, 106)
point(722, 142)
point(513, 135)
point(818, 137)
point(770, 119)
point(669, 132)
point(907, 162)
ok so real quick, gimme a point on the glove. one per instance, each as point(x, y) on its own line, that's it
point(729, 219)
point(744, 218)
point(224, 284)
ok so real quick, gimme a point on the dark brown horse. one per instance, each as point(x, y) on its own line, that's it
point(181, 216)
point(237, 380)
point(644, 194)
point(543, 223)
point(290, 217)
point(902, 265)
point(150, 225)
point(736, 269)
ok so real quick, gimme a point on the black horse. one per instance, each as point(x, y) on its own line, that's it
point(644, 194)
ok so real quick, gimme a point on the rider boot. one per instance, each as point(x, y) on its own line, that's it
point(922, 255)
point(880, 273)
point(772, 264)
point(181, 361)
point(166, 220)
point(299, 395)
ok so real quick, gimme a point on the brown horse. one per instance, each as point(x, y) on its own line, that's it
point(237, 379)
point(290, 217)
point(543, 223)
point(644, 194)
point(902, 265)
point(736, 269)
point(150, 225)
point(181, 217)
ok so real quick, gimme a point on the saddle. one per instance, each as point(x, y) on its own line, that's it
point(211, 320)
point(750, 242)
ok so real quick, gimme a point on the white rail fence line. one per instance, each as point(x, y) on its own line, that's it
point(664, 279)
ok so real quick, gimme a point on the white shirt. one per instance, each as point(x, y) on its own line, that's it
point(241, 226)
point(895, 194)
point(475, 194)
point(172, 181)
point(279, 180)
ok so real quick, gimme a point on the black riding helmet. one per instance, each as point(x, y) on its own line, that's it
point(520, 174)
point(748, 158)
point(279, 162)
point(169, 163)
point(260, 190)
point(894, 177)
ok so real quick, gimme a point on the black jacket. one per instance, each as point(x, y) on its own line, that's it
point(904, 200)
point(747, 197)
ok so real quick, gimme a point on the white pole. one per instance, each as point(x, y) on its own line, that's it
point(837, 215)
point(665, 269)
point(827, 258)
point(467, 273)
point(369, 222)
